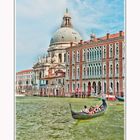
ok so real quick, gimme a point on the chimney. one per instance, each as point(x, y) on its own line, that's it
point(92, 37)
point(107, 35)
point(121, 33)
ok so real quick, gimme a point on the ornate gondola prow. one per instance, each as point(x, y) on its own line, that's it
point(104, 103)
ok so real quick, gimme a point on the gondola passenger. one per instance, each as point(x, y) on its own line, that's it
point(85, 110)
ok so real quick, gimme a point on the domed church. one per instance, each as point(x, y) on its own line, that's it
point(62, 38)
point(49, 71)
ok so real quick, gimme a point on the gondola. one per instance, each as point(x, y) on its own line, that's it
point(120, 98)
point(84, 116)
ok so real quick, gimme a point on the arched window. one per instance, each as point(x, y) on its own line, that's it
point(117, 50)
point(78, 85)
point(100, 54)
point(73, 57)
point(90, 70)
point(95, 55)
point(68, 72)
point(100, 70)
point(78, 72)
point(78, 56)
point(84, 87)
point(117, 69)
point(104, 88)
point(111, 71)
point(84, 56)
point(68, 57)
point(73, 86)
point(68, 87)
point(60, 57)
point(111, 52)
point(64, 57)
point(87, 71)
point(95, 71)
point(40, 74)
point(73, 72)
point(111, 85)
point(104, 53)
point(84, 71)
point(117, 87)
point(88, 55)
point(104, 69)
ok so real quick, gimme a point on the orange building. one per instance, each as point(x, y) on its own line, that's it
point(24, 81)
point(97, 66)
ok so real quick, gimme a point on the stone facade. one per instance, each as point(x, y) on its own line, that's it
point(47, 69)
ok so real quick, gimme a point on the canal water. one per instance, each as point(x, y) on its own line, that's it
point(43, 118)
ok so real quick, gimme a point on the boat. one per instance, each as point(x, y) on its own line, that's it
point(84, 116)
point(120, 98)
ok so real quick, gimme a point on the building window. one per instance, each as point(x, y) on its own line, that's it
point(68, 72)
point(78, 86)
point(73, 57)
point(73, 86)
point(117, 87)
point(84, 87)
point(95, 55)
point(73, 72)
point(100, 70)
point(111, 52)
point(95, 71)
point(104, 69)
point(117, 69)
point(84, 71)
point(92, 55)
point(68, 56)
point(60, 58)
point(87, 71)
point(104, 53)
point(117, 50)
point(59, 81)
point(84, 56)
point(78, 72)
point(78, 56)
point(64, 57)
point(104, 88)
point(68, 87)
point(88, 55)
point(90, 70)
point(111, 69)
point(111, 85)
point(100, 54)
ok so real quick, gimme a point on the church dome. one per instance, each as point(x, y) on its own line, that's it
point(66, 33)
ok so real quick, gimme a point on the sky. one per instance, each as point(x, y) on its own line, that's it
point(37, 20)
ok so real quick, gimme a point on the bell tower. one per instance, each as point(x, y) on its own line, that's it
point(66, 20)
